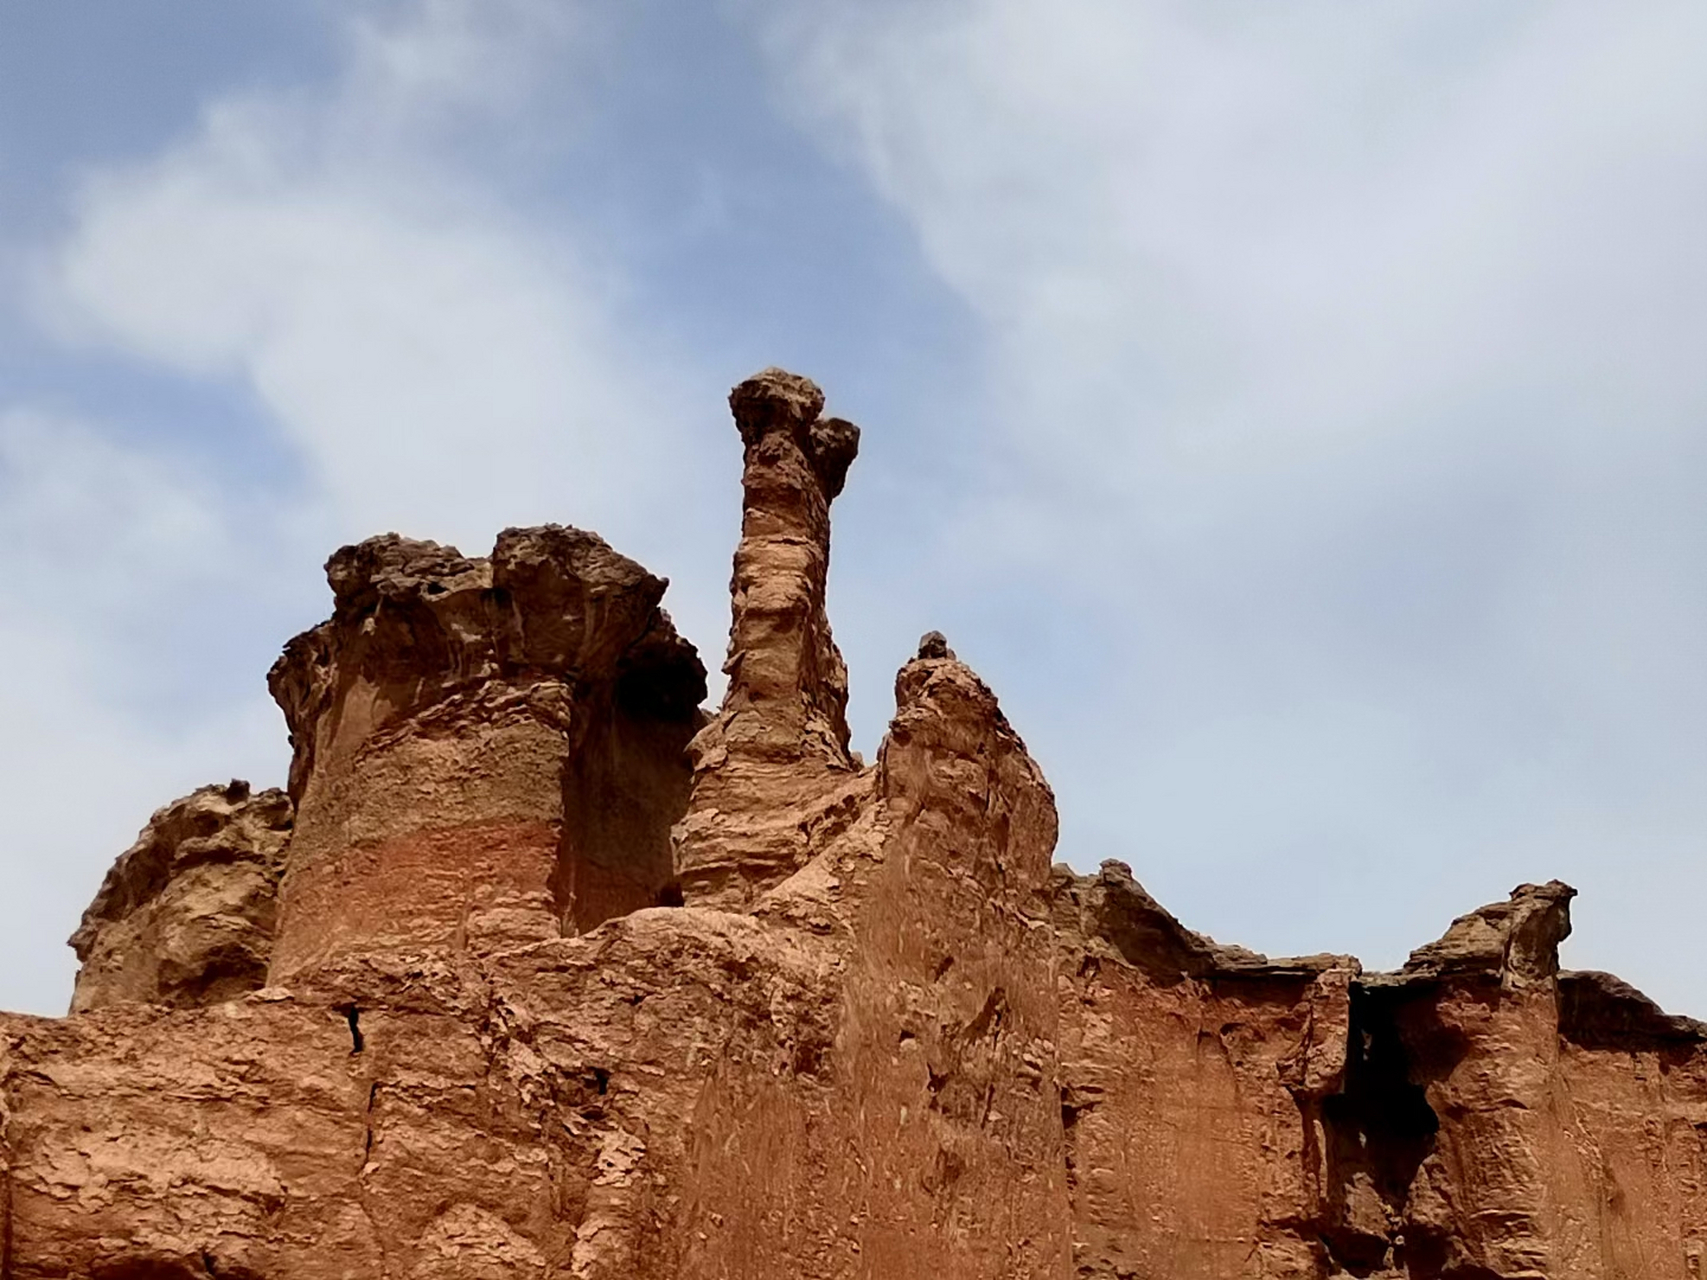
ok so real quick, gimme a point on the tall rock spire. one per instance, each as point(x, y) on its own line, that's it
point(777, 751)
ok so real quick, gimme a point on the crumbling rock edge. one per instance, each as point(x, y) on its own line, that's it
point(538, 969)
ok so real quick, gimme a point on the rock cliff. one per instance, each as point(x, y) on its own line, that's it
point(538, 970)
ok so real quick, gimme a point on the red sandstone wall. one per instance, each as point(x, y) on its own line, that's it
point(683, 1092)
point(921, 1136)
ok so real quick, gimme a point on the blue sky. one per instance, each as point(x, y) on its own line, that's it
point(1295, 412)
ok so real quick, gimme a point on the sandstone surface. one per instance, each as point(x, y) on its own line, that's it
point(185, 917)
point(539, 970)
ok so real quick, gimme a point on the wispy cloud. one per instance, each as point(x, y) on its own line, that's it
point(437, 360)
point(1346, 363)
point(337, 264)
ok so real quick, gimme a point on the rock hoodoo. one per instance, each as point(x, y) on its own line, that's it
point(772, 769)
point(539, 971)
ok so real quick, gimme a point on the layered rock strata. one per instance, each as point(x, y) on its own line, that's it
point(485, 750)
point(850, 1023)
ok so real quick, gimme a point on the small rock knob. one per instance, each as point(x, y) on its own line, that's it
point(933, 644)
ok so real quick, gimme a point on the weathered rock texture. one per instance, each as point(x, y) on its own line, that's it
point(486, 751)
point(185, 917)
point(545, 999)
point(772, 769)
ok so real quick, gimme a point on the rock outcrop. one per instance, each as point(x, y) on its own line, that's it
point(539, 971)
point(185, 917)
point(486, 751)
point(772, 770)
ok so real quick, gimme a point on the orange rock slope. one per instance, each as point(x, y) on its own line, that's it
point(539, 971)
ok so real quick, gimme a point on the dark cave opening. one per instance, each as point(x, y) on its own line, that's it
point(1379, 1130)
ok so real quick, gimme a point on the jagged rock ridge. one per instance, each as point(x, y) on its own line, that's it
point(538, 970)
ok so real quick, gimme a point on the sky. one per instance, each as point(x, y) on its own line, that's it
point(1297, 414)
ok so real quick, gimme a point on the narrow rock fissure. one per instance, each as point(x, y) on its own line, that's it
point(367, 1124)
point(1069, 1122)
point(7, 1181)
point(1379, 1130)
point(6, 1224)
point(353, 1016)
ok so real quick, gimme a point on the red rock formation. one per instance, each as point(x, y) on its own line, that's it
point(484, 749)
point(185, 917)
point(772, 769)
point(1190, 1080)
point(882, 1037)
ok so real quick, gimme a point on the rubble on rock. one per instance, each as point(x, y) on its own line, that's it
point(539, 970)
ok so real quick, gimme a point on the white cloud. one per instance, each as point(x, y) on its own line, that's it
point(1347, 361)
point(440, 364)
point(336, 257)
point(101, 540)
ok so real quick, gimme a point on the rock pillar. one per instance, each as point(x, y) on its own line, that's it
point(775, 759)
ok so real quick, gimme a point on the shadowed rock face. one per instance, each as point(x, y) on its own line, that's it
point(884, 1037)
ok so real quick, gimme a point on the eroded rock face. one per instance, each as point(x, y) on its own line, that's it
point(773, 768)
point(185, 917)
point(1477, 1114)
point(847, 1021)
point(486, 750)
point(1193, 1083)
